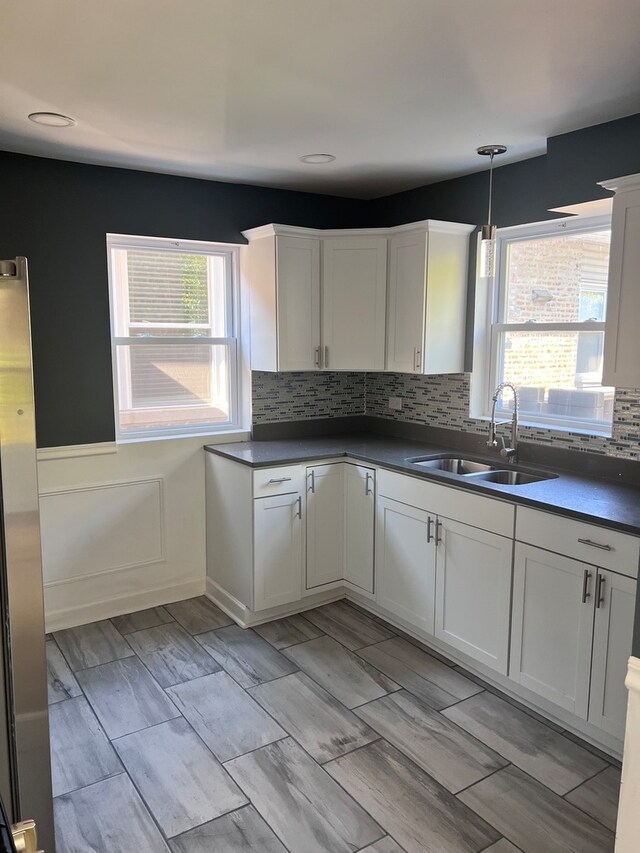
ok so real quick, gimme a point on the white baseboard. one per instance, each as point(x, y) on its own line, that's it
point(247, 618)
point(93, 612)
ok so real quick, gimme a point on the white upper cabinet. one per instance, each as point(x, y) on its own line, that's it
point(329, 300)
point(427, 299)
point(282, 275)
point(621, 366)
point(354, 286)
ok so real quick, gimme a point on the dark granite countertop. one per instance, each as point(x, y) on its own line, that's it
point(598, 501)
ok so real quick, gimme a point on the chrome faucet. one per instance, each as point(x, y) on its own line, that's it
point(509, 453)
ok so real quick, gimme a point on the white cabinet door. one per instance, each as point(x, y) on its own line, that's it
point(473, 592)
point(406, 301)
point(298, 288)
point(621, 366)
point(354, 284)
point(551, 636)
point(359, 516)
point(405, 562)
point(325, 524)
point(612, 634)
point(277, 549)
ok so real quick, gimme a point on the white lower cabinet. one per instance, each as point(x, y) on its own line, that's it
point(571, 634)
point(340, 525)
point(473, 592)
point(552, 627)
point(359, 522)
point(325, 524)
point(278, 555)
point(406, 562)
point(612, 636)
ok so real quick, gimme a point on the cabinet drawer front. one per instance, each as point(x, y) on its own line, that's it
point(599, 546)
point(486, 513)
point(277, 481)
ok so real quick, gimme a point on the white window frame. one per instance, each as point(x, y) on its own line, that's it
point(489, 323)
point(119, 312)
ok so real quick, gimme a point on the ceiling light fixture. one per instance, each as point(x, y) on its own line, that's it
point(488, 236)
point(52, 119)
point(317, 159)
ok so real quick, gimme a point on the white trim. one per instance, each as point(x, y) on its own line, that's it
point(275, 229)
point(70, 617)
point(628, 828)
point(628, 182)
point(71, 451)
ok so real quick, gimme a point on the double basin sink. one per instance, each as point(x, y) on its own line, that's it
point(484, 471)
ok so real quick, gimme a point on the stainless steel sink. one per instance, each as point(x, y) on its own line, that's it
point(453, 465)
point(510, 478)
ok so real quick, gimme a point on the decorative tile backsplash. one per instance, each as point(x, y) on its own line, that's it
point(441, 401)
point(302, 396)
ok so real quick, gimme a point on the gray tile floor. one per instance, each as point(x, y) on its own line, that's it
point(331, 732)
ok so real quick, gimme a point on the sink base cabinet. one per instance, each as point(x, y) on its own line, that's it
point(473, 592)
point(406, 563)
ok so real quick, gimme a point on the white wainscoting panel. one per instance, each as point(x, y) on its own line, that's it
point(101, 529)
point(122, 531)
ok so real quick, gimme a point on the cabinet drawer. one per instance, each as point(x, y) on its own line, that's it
point(599, 546)
point(277, 481)
point(486, 513)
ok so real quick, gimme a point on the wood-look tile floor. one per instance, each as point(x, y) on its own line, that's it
point(330, 732)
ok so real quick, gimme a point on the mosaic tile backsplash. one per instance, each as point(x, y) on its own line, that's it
point(441, 401)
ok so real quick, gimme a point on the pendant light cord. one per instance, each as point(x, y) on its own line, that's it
point(490, 186)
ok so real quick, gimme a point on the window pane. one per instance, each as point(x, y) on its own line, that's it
point(557, 279)
point(165, 385)
point(558, 374)
point(176, 288)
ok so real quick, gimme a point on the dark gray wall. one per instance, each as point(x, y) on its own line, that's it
point(58, 213)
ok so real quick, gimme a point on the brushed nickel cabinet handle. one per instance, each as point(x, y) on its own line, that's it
point(599, 590)
point(585, 586)
point(429, 534)
point(299, 510)
point(438, 531)
point(417, 359)
point(369, 478)
point(326, 357)
point(278, 480)
point(595, 544)
point(312, 475)
point(317, 358)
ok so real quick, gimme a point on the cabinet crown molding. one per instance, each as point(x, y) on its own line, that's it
point(274, 229)
point(628, 182)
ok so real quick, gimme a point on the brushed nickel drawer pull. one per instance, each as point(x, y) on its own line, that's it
point(599, 590)
point(438, 531)
point(278, 480)
point(299, 510)
point(312, 475)
point(429, 534)
point(585, 586)
point(595, 544)
point(369, 479)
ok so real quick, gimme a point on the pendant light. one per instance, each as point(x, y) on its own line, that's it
point(488, 235)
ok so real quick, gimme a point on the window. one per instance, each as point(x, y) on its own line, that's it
point(547, 334)
point(173, 309)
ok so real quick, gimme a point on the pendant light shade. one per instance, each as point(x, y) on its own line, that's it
point(487, 261)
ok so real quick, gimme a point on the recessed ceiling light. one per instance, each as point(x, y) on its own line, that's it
point(317, 159)
point(52, 119)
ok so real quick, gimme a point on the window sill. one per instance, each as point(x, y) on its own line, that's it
point(221, 437)
point(576, 430)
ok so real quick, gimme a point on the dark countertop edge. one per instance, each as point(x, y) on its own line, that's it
point(492, 490)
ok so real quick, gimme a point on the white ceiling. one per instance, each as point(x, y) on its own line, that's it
point(401, 91)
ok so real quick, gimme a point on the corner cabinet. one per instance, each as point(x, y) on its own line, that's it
point(427, 298)
point(621, 365)
point(372, 299)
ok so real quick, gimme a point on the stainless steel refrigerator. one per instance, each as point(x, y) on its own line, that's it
point(25, 771)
